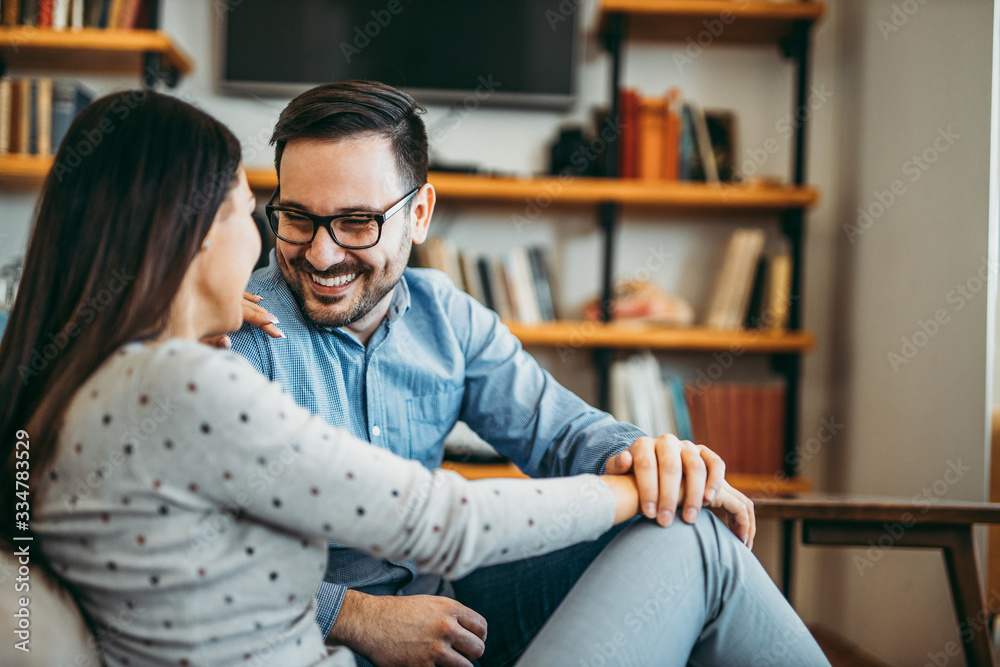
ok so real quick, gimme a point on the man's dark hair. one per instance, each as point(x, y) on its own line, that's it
point(345, 109)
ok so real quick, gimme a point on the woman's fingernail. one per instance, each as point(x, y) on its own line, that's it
point(281, 334)
point(710, 496)
point(272, 319)
point(226, 344)
point(666, 517)
point(650, 510)
point(690, 515)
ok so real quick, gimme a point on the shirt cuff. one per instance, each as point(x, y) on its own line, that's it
point(329, 599)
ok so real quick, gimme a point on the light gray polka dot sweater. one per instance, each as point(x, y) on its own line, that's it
point(190, 502)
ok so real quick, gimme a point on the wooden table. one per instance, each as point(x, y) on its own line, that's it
point(892, 523)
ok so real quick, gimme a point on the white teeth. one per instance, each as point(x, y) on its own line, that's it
point(334, 282)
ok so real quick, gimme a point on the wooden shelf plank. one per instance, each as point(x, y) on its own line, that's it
point(89, 50)
point(721, 21)
point(635, 335)
point(23, 171)
point(544, 191)
point(752, 485)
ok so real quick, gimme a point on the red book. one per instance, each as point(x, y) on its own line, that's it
point(45, 13)
point(628, 111)
point(695, 399)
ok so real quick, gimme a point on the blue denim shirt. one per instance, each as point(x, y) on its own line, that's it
point(438, 357)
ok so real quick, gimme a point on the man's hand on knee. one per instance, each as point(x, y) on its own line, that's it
point(402, 630)
point(670, 471)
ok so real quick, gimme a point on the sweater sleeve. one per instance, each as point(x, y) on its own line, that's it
point(239, 441)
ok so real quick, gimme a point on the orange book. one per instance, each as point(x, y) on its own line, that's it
point(672, 135)
point(651, 114)
point(11, 12)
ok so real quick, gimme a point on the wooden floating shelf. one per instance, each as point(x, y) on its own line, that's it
point(23, 171)
point(632, 335)
point(722, 21)
point(752, 485)
point(542, 192)
point(89, 50)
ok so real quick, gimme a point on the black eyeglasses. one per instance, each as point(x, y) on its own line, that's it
point(353, 231)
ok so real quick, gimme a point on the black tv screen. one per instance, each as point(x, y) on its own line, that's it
point(513, 52)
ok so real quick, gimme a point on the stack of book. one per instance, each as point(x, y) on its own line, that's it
point(741, 422)
point(672, 139)
point(751, 289)
point(517, 284)
point(76, 14)
point(35, 113)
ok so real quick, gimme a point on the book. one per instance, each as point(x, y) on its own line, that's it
point(76, 14)
point(5, 113)
point(523, 301)
point(43, 116)
point(485, 282)
point(64, 110)
point(498, 286)
point(672, 135)
point(777, 292)
point(721, 126)
point(734, 281)
point(21, 118)
point(129, 13)
point(470, 275)
point(652, 114)
point(628, 111)
point(44, 16)
point(688, 161)
point(29, 12)
point(542, 282)
point(10, 12)
point(704, 143)
point(682, 417)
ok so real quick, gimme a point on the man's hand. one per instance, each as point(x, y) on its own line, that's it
point(403, 630)
point(662, 465)
point(252, 314)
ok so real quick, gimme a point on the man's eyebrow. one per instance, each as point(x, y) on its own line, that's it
point(354, 208)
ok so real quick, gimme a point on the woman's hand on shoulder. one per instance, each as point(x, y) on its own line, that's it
point(254, 314)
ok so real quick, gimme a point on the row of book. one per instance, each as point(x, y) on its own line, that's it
point(76, 14)
point(35, 113)
point(752, 289)
point(517, 284)
point(672, 139)
point(741, 422)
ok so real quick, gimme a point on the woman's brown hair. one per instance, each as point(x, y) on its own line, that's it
point(132, 193)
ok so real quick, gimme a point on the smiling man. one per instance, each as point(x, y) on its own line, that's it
point(398, 356)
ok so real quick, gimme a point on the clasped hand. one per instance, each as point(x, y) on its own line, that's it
point(670, 472)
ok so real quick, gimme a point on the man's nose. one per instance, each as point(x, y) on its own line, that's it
point(323, 252)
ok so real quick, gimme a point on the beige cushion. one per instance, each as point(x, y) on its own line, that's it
point(58, 635)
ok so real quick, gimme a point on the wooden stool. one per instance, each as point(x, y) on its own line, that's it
point(890, 523)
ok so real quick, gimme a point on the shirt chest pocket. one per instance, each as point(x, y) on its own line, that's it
point(431, 418)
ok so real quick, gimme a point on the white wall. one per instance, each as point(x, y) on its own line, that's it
point(889, 97)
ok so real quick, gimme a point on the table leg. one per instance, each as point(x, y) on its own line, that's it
point(961, 562)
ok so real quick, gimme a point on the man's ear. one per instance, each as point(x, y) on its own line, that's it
point(423, 209)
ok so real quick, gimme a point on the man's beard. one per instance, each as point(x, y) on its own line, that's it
point(370, 288)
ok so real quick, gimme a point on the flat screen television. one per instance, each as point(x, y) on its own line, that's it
point(503, 52)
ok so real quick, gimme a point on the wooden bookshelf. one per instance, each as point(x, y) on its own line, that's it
point(624, 335)
point(89, 50)
point(583, 190)
point(752, 485)
point(735, 21)
point(23, 171)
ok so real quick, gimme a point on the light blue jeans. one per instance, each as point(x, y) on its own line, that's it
point(682, 595)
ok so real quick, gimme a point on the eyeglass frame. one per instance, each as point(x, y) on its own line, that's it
point(326, 221)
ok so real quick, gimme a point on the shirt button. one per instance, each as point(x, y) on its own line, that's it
point(376, 431)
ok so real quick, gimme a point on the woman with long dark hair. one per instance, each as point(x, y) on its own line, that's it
point(169, 479)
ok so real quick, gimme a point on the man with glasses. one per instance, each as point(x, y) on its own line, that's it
point(399, 355)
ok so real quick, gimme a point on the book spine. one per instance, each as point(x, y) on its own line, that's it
point(630, 133)
point(44, 16)
point(486, 280)
point(542, 285)
point(5, 113)
point(11, 12)
point(651, 113)
point(43, 115)
point(29, 12)
point(31, 123)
